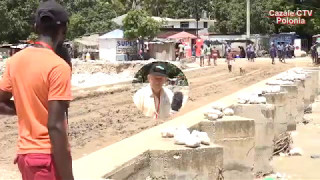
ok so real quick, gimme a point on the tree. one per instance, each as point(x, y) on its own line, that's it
point(16, 19)
point(138, 25)
point(90, 17)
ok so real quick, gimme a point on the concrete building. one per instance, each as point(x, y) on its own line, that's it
point(169, 23)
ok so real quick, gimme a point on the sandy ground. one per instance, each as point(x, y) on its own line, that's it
point(307, 138)
point(105, 118)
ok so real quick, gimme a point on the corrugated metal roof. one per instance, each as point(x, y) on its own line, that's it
point(116, 34)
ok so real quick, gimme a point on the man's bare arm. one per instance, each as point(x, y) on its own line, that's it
point(7, 106)
point(59, 139)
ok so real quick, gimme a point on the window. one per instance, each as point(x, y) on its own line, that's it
point(184, 24)
point(205, 24)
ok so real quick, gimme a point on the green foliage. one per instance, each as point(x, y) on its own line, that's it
point(87, 17)
point(90, 17)
point(94, 16)
point(33, 37)
point(138, 24)
point(16, 19)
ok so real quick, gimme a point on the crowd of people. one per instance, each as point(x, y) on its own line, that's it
point(282, 51)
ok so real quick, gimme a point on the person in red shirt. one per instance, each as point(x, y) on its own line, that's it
point(230, 60)
point(40, 82)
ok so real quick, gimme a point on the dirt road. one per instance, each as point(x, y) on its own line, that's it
point(102, 119)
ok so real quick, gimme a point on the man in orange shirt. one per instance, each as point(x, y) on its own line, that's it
point(40, 82)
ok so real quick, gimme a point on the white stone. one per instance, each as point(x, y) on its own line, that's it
point(261, 100)
point(193, 141)
point(241, 101)
point(213, 117)
point(180, 139)
point(228, 112)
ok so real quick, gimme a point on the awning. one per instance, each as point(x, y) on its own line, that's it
point(91, 40)
point(182, 35)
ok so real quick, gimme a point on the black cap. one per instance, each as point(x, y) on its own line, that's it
point(53, 10)
point(158, 70)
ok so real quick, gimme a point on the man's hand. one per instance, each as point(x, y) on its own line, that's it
point(7, 106)
point(57, 127)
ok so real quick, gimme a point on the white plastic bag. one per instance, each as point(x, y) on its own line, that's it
point(228, 112)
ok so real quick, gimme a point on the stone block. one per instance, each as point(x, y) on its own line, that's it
point(281, 116)
point(314, 83)
point(138, 168)
point(292, 105)
point(262, 158)
point(264, 115)
point(236, 136)
point(308, 91)
point(300, 100)
point(186, 163)
point(238, 157)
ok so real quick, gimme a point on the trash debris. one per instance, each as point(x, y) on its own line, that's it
point(260, 174)
point(220, 173)
point(306, 120)
point(295, 152)
point(315, 156)
point(168, 133)
point(282, 144)
point(308, 110)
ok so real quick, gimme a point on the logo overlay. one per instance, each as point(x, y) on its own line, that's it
point(291, 17)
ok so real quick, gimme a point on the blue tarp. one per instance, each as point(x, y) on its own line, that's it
point(116, 34)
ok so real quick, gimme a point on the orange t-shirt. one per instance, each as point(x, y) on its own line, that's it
point(35, 76)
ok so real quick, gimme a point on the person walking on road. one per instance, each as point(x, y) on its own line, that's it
point(40, 82)
point(181, 51)
point(273, 53)
point(215, 55)
point(202, 55)
point(250, 52)
point(208, 54)
point(281, 51)
point(314, 53)
point(230, 60)
point(242, 52)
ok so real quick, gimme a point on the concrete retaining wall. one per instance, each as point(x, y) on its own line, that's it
point(292, 105)
point(185, 163)
point(281, 115)
point(300, 100)
point(236, 135)
point(173, 162)
point(317, 78)
point(263, 115)
point(308, 91)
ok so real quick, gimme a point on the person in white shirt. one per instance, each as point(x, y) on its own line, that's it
point(181, 51)
point(155, 100)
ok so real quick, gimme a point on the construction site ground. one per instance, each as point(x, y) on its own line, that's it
point(104, 118)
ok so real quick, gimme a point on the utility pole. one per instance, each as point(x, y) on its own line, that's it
point(248, 19)
point(197, 18)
